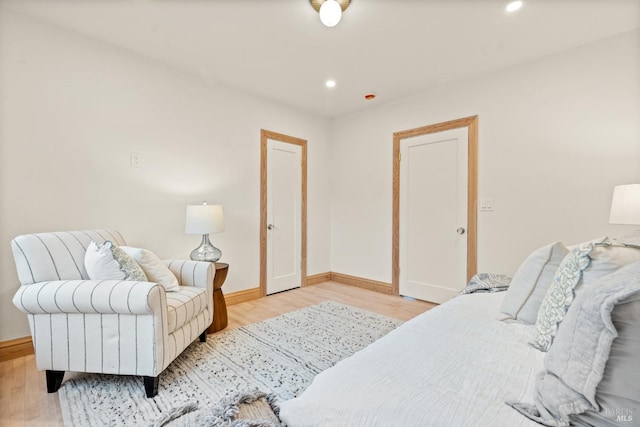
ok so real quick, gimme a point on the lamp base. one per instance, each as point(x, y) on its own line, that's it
point(206, 251)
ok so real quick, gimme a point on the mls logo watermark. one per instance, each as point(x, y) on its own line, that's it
point(619, 414)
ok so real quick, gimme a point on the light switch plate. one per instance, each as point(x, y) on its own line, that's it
point(136, 160)
point(486, 204)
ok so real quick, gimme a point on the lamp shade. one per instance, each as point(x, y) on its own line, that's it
point(204, 219)
point(625, 205)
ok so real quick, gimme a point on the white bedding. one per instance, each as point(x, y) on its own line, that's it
point(454, 365)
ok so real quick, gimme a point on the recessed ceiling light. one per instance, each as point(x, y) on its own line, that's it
point(513, 6)
point(330, 83)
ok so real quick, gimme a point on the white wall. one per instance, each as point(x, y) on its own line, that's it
point(71, 111)
point(555, 136)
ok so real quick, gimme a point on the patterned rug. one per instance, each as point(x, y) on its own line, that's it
point(281, 355)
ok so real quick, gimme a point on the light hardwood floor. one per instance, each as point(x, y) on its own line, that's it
point(25, 402)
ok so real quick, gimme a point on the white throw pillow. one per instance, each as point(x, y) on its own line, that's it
point(632, 239)
point(107, 261)
point(531, 281)
point(153, 267)
point(607, 258)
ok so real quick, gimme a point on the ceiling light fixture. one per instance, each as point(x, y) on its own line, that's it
point(513, 6)
point(330, 83)
point(330, 10)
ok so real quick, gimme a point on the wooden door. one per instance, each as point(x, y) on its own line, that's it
point(283, 213)
point(433, 210)
point(435, 202)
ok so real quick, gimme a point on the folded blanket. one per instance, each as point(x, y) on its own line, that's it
point(487, 282)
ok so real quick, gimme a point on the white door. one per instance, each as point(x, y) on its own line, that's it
point(284, 216)
point(433, 215)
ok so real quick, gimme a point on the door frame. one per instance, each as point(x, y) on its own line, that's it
point(471, 123)
point(264, 136)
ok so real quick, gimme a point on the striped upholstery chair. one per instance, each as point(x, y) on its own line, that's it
point(105, 326)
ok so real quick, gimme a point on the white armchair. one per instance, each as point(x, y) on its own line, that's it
point(105, 326)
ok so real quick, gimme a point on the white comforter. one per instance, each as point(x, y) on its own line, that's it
point(454, 365)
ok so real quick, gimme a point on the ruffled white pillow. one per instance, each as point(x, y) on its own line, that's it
point(560, 295)
point(153, 267)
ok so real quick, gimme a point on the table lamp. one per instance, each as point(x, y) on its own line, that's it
point(204, 219)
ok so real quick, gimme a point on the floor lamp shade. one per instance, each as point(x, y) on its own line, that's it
point(204, 219)
point(625, 205)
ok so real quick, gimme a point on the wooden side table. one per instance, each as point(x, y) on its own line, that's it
point(219, 305)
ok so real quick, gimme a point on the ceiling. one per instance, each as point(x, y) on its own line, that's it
point(278, 49)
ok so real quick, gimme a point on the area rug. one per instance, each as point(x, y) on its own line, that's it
point(280, 356)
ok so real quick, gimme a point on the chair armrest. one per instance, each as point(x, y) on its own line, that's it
point(193, 273)
point(90, 296)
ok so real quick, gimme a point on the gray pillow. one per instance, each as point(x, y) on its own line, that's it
point(531, 281)
point(618, 394)
point(591, 371)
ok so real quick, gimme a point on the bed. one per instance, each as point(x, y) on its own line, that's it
point(560, 346)
point(454, 365)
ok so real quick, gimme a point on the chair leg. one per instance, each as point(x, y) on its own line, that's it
point(203, 336)
point(54, 380)
point(151, 385)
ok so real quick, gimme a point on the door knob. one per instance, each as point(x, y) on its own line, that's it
point(460, 230)
point(270, 227)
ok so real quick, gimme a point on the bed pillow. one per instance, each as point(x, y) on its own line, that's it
point(155, 270)
point(606, 258)
point(531, 281)
point(107, 261)
point(603, 239)
point(560, 295)
point(632, 239)
point(591, 374)
point(618, 394)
